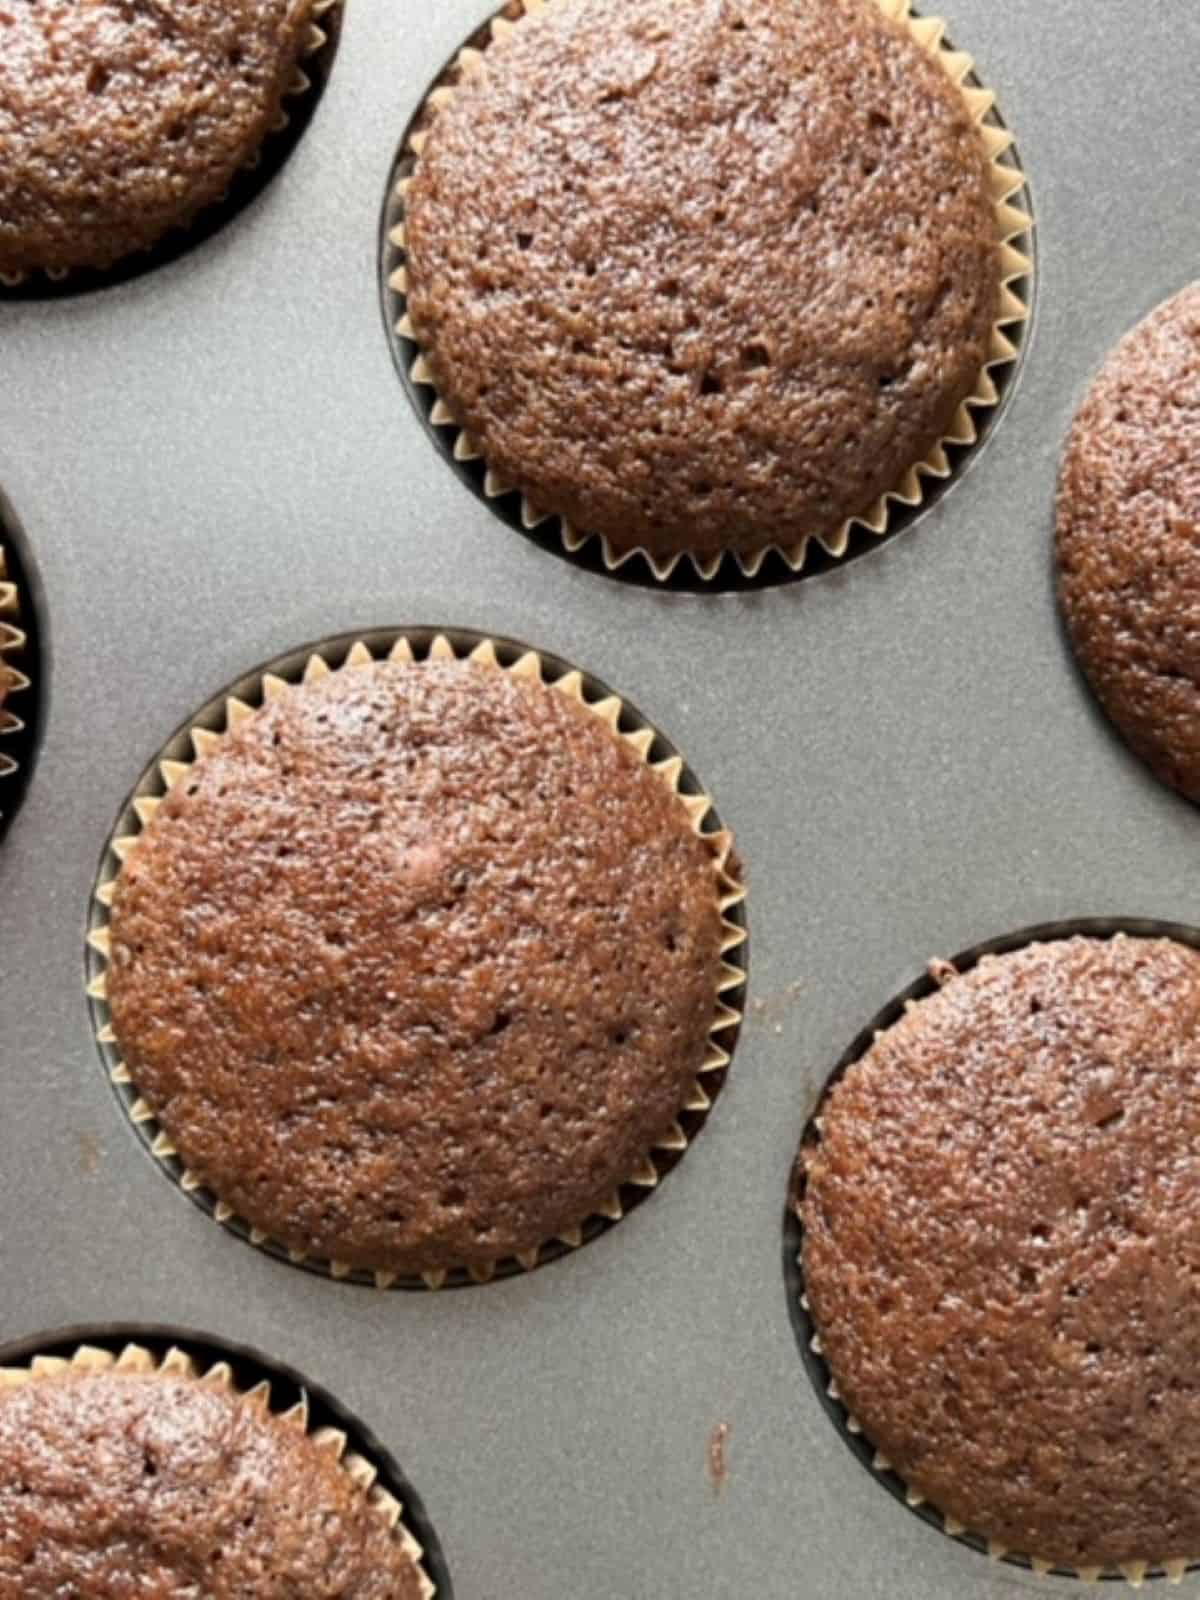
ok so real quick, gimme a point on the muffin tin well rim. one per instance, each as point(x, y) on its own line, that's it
point(922, 487)
point(288, 1389)
point(335, 653)
point(803, 1325)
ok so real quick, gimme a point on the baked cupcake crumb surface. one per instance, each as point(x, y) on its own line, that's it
point(119, 122)
point(1001, 1247)
point(1128, 542)
point(123, 1483)
point(417, 965)
point(702, 276)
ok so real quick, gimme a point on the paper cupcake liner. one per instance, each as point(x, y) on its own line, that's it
point(178, 1362)
point(320, 37)
point(1014, 226)
point(616, 715)
point(14, 658)
point(937, 973)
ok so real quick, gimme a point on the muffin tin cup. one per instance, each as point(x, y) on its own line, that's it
point(15, 666)
point(306, 81)
point(1014, 225)
point(346, 654)
point(937, 973)
point(236, 1372)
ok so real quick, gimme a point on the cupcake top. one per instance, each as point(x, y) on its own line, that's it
point(701, 275)
point(119, 122)
point(121, 1482)
point(1000, 1248)
point(417, 965)
point(1128, 545)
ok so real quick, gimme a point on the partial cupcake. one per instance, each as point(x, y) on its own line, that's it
point(1000, 1241)
point(119, 123)
point(418, 964)
point(1129, 539)
point(120, 1476)
point(702, 278)
point(14, 657)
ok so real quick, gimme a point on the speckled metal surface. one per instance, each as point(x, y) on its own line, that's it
point(214, 462)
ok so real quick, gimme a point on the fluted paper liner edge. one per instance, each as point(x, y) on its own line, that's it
point(177, 1362)
point(1134, 1573)
point(1012, 223)
point(13, 641)
point(298, 85)
point(609, 711)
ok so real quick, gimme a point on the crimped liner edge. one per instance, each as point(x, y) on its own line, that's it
point(13, 642)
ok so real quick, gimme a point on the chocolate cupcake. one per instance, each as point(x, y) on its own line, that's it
point(119, 123)
point(123, 1476)
point(701, 278)
point(1000, 1245)
point(1129, 539)
point(419, 963)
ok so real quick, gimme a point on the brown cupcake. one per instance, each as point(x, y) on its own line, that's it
point(1129, 539)
point(120, 1478)
point(702, 278)
point(418, 964)
point(119, 122)
point(1001, 1245)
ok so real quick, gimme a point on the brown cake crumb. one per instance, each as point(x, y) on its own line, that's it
point(718, 1457)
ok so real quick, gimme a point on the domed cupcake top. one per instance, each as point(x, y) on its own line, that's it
point(119, 122)
point(417, 965)
point(1001, 1242)
point(1129, 539)
point(703, 276)
point(122, 1481)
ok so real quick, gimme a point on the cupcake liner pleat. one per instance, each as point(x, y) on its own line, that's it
point(617, 717)
point(1014, 225)
point(177, 1362)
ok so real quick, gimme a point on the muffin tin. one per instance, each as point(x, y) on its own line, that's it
point(215, 462)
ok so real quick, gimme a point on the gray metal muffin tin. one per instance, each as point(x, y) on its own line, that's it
point(215, 461)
